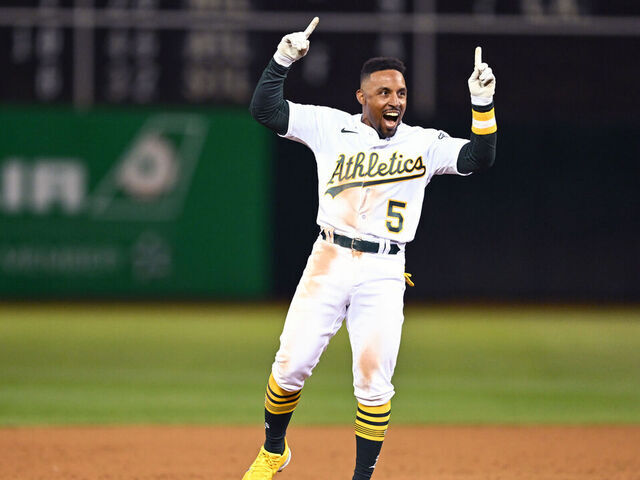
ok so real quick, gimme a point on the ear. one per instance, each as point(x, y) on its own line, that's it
point(360, 96)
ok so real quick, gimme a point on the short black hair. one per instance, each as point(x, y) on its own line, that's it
point(376, 64)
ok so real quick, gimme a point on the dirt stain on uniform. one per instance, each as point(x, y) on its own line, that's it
point(369, 363)
point(283, 359)
point(319, 266)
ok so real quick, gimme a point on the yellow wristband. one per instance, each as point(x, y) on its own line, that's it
point(484, 123)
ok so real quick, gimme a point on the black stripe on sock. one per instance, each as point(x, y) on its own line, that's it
point(369, 422)
point(370, 432)
point(283, 396)
point(281, 402)
point(373, 414)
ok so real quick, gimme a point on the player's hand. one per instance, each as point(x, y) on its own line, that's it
point(482, 82)
point(294, 46)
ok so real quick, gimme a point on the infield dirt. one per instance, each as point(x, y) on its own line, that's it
point(321, 453)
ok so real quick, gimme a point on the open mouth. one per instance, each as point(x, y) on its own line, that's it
point(391, 118)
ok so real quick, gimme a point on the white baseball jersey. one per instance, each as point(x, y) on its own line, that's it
point(370, 187)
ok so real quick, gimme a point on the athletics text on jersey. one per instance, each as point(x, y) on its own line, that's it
point(370, 187)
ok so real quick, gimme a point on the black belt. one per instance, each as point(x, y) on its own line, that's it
point(358, 244)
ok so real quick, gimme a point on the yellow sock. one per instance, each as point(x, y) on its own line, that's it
point(279, 401)
point(372, 422)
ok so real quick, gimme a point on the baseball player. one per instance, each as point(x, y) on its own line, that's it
point(372, 172)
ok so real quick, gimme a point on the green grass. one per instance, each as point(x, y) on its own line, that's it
point(64, 364)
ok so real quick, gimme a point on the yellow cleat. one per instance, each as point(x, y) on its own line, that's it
point(267, 464)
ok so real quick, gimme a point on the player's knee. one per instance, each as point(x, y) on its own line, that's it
point(375, 391)
point(293, 365)
point(288, 376)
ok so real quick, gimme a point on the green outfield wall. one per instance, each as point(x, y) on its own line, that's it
point(132, 203)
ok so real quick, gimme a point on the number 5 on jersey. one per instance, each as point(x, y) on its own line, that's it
point(396, 220)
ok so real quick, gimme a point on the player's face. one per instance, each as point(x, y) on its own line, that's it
point(383, 96)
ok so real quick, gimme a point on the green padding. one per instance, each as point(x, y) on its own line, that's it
point(133, 203)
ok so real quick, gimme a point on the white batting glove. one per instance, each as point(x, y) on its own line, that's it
point(294, 46)
point(482, 82)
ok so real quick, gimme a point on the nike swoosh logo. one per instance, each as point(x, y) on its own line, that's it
point(344, 130)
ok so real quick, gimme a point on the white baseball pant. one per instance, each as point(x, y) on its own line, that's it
point(367, 290)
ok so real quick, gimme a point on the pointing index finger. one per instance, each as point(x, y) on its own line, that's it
point(312, 26)
point(478, 59)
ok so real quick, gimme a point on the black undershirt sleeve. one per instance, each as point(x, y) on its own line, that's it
point(480, 153)
point(268, 105)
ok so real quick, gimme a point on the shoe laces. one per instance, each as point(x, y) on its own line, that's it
point(268, 461)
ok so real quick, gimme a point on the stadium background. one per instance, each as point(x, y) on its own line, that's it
point(220, 208)
point(152, 232)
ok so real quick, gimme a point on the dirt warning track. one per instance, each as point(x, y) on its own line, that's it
point(321, 453)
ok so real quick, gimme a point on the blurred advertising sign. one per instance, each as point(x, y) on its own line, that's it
point(113, 203)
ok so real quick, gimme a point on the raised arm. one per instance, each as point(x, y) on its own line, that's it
point(480, 153)
point(268, 105)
